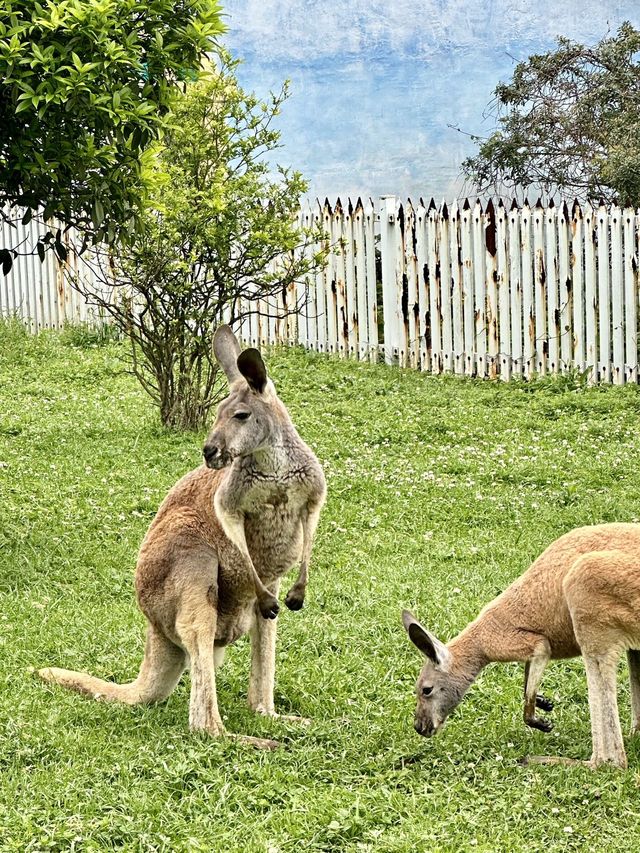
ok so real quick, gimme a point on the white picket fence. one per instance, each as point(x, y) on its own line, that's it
point(341, 309)
point(40, 293)
point(466, 289)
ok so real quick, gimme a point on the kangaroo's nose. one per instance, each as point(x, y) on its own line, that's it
point(211, 453)
point(424, 729)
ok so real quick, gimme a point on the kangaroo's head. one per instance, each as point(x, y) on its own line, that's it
point(440, 686)
point(249, 419)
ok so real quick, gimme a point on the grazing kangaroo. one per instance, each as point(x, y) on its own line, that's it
point(209, 567)
point(580, 597)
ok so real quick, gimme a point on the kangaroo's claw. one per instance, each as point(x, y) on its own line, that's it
point(540, 724)
point(269, 607)
point(543, 703)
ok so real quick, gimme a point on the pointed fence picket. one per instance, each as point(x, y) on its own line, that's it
point(630, 296)
point(467, 288)
point(576, 276)
point(511, 343)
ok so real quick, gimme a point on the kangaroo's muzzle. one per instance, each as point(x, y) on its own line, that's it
point(215, 457)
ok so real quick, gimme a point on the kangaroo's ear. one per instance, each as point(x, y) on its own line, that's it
point(425, 641)
point(252, 367)
point(227, 349)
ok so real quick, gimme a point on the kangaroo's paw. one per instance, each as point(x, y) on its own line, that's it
point(269, 607)
point(539, 723)
point(554, 759)
point(257, 742)
point(292, 718)
point(619, 762)
point(294, 599)
point(274, 715)
point(543, 703)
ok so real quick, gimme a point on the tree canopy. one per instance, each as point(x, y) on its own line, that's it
point(569, 123)
point(85, 87)
point(220, 233)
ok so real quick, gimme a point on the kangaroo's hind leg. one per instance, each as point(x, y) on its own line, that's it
point(160, 671)
point(608, 746)
point(633, 658)
point(195, 628)
point(602, 619)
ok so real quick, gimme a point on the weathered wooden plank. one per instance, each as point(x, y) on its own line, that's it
point(591, 291)
point(435, 307)
point(480, 290)
point(444, 277)
point(254, 332)
point(391, 249)
point(617, 296)
point(424, 305)
point(528, 298)
point(576, 261)
point(351, 300)
point(505, 343)
point(410, 312)
point(604, 296)
point(401, 288)
point(322, 279)
point(273, 321)
point(370, 220)
point(630, 295)
point(515, 291)
point(552, 289)
point(468, 306)
point(540, 290)
point(457, 317)
point(491, 289)
point(6, 309)
point(330, 283)
point(303, 337)
point(339, 239)
point(359, 315)
point(565, 288)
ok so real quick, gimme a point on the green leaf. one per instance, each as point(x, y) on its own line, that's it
point(61, 251)
point(98, 213)
point(7, 261)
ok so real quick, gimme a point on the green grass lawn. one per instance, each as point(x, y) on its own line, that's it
point(441, 491)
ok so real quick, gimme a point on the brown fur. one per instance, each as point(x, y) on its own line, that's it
point(210, 564)
point(580, 597)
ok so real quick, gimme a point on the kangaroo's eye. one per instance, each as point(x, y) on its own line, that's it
point(427, 691)
point(242, 416)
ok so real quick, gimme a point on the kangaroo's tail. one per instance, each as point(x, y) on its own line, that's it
point(161, 668)
point(97, 688)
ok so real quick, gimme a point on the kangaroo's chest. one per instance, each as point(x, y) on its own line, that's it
point(273, 511)
point(273, 531)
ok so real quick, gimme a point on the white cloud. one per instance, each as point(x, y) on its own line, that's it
point(305, 30)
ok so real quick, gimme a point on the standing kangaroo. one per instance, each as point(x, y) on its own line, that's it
point(209, 567)
point(580, 597)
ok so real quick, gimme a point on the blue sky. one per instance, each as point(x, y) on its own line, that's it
point(375, 85)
